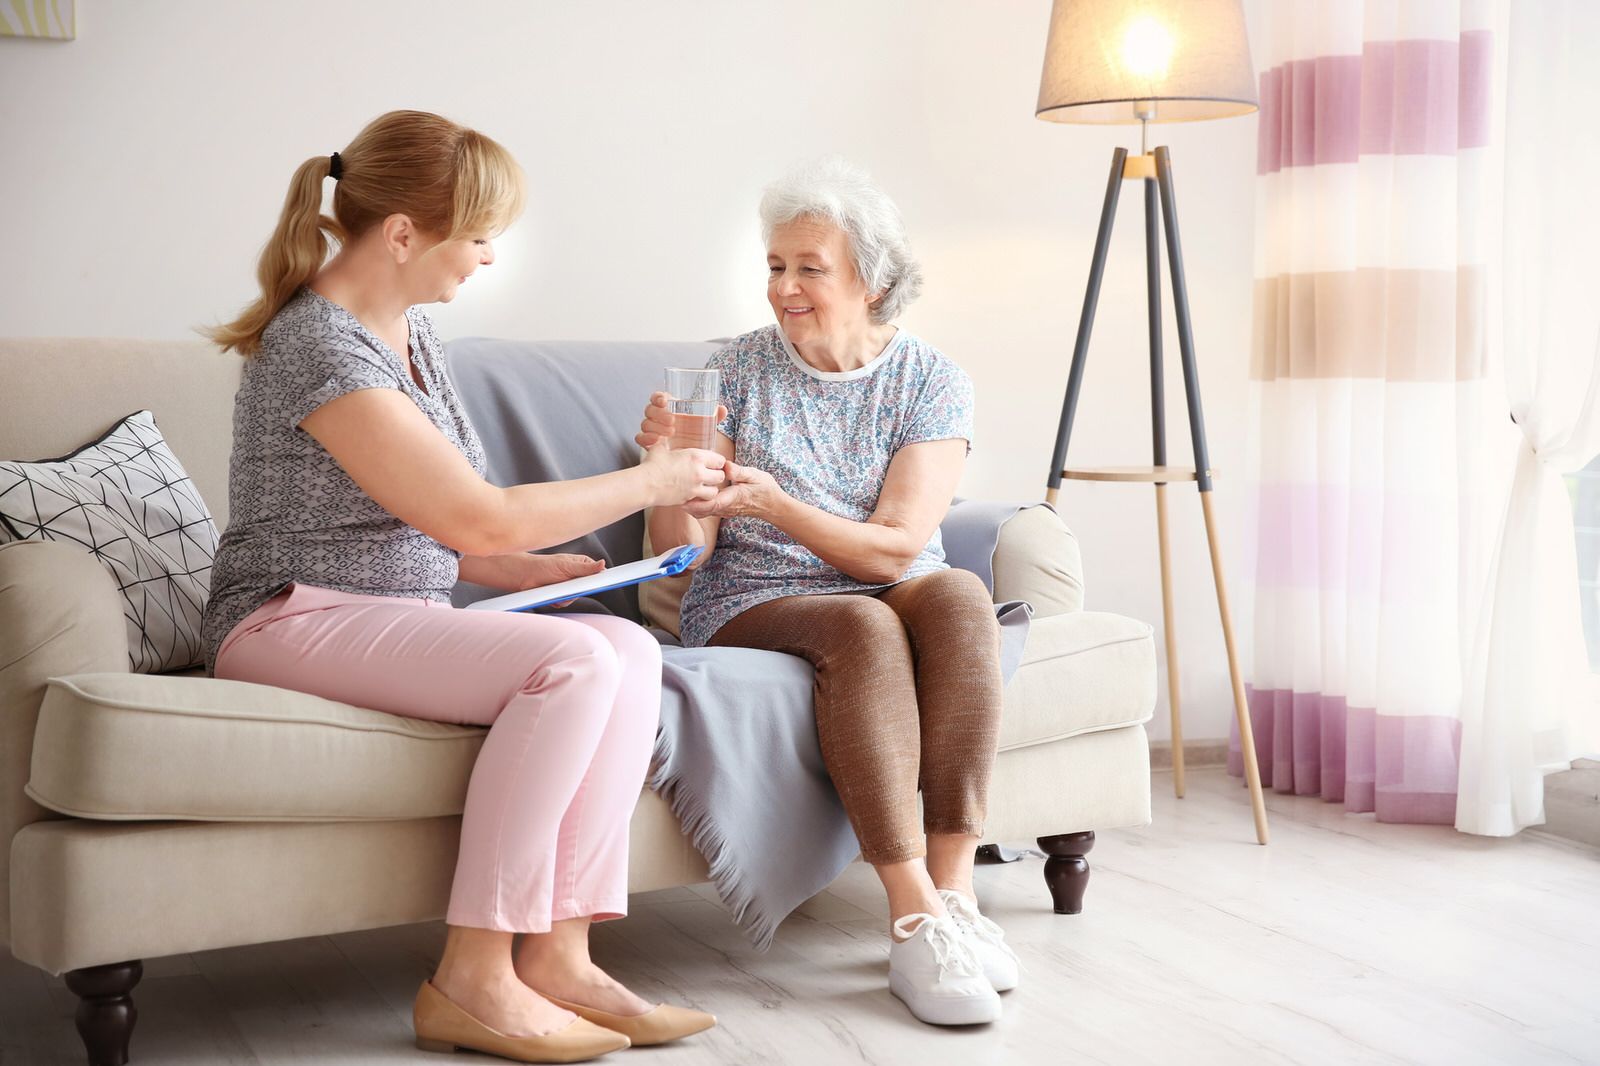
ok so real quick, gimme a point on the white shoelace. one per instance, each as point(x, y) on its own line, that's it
point(969, 919)
point(950, 952)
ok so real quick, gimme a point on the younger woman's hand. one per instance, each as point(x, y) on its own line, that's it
point(657, 423)
point(541, 570)
point(679, 475)
point(749, 493)
point(520, 571)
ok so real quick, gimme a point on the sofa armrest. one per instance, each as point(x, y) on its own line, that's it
point(1036, 559)
point(60, 613)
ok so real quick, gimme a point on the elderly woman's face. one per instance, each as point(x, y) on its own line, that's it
point(812, 282)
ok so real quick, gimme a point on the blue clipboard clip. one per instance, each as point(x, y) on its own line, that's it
point(681, 560)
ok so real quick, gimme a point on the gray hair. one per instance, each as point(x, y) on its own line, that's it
point(838, 192)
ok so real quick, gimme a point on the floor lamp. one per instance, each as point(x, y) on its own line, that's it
point(1144, 61)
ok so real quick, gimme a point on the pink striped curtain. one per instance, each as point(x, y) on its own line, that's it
point(1370, 398)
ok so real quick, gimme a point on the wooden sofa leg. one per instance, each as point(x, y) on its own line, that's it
point(105, 1009)
point(1066, 870)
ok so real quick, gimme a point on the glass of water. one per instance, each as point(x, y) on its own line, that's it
point(692, 399)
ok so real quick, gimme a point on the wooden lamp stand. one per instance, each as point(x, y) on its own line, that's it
point(1155, 171)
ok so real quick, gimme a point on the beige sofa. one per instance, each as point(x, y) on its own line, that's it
point(149, 815)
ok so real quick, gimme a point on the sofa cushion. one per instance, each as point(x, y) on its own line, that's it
point(1036, 558)
point(61, 391)
point(128, 746)
point(139, 746)
point(1081, 672)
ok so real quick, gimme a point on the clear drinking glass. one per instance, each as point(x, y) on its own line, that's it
point(693, 403)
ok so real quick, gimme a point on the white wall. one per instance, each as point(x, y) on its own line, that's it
point(145, 162)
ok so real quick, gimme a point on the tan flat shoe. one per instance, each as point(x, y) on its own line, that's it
point(443, 1026)
point(662, 1025)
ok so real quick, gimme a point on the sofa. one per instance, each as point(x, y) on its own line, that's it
point(146, 815)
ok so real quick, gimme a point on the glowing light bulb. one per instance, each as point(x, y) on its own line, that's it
point(1147, 48)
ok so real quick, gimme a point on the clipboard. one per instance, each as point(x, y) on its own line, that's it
point(667, 564)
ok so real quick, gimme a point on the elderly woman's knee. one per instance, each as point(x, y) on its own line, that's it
point(855, 619)
point(965, 583)
point(954, 590)
point(951, 606)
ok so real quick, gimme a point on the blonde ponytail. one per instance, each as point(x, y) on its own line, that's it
point(449, 180)
point(292, 257)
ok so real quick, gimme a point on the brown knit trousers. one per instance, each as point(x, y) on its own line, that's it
point(907, 695)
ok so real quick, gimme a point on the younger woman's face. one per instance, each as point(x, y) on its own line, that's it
point(446, 266)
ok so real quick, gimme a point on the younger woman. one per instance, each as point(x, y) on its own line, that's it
point(358, 499)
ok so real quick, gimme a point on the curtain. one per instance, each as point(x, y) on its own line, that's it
point(1377, 423)
point(1529, 698)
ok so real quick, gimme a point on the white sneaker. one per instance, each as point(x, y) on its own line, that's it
point(934, 973)
point(987, 940)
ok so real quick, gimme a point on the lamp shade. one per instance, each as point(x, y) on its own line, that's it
point(1190, 57)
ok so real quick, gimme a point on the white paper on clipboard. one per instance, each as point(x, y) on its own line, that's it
point(667, 564)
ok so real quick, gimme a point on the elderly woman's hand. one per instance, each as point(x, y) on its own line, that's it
point(658, 421)
point(750, 493)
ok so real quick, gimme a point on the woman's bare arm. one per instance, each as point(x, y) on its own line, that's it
point(516, 571)
point(399, 458)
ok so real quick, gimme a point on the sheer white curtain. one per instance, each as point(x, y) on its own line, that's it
point(1427, 237)
point(1372, 392)
point(1528, 703)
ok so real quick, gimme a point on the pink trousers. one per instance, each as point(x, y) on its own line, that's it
point(572, 703)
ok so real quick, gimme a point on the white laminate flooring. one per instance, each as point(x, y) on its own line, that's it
point(1344, 941)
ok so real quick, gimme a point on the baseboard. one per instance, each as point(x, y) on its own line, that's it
point(1571, 798)
point(1196, 753)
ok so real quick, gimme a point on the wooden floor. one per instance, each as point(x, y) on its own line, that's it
point(1344, 941)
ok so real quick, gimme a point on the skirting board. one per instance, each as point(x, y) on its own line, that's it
point(1195, 753)
point(1571, 798)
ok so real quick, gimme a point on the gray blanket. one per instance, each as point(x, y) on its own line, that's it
point(737, 759)
point(737, 756)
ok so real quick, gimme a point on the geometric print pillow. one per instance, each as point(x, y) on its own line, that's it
point(127, 500)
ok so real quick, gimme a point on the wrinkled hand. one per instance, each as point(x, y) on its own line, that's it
point(541, 570)
point(657, 423)
point(750, 493)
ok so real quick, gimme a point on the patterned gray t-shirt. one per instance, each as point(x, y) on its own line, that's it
point(294, 514)
point(828, 440)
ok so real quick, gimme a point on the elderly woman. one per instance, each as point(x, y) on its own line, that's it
point(846, 436)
